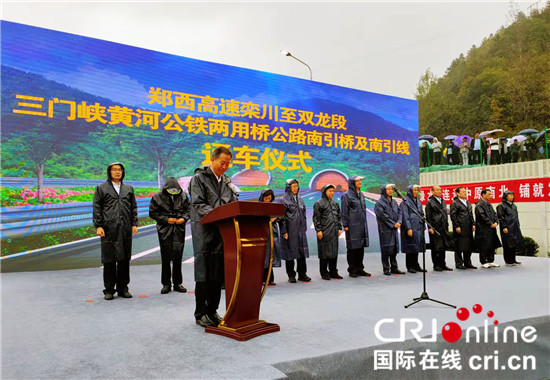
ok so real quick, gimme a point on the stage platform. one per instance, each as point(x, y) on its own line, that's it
point(56, 324)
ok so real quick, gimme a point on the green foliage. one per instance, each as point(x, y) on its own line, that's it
point(50, 240)
point(504, 83)
point(529, 247)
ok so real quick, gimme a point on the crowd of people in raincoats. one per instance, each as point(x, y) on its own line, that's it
point(400, 227)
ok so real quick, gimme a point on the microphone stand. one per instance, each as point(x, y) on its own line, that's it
point(424, 296)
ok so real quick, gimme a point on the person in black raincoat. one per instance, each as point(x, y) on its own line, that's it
point(115, 218)
point(438, 218)
point(412, 228)
point(208, 189)
point(293, 229)
point(510, 231)
point(388, 217)
point(170, 209)
point(486, 230)
point(354, 221)
point(462, 217)
point(267, 195)
point(327, 223)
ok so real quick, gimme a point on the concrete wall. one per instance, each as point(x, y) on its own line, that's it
point(534, 216)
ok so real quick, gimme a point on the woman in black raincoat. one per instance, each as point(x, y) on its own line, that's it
point(115, 218)
point(354, 221)
point(510, 231)
point(388, 217)
point(293, 229)
point(438, 218)
point(170, 209)
point(412, 228)
point(486, 230)
point(267, 195)
point(327, 223)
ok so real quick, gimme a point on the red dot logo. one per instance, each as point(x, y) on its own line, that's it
point(495, 322)
point(451, 332)
point(490, 314)
point(462, 314)
point(477, 308)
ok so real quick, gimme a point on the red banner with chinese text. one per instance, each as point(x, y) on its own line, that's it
point(525, 190)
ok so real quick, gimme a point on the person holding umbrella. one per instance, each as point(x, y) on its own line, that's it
point(464, 150)
point(437, 147)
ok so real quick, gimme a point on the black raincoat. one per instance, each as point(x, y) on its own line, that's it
point(295, 224)
point(206, 194)
point(387, 215)
point(438, 218)
point(486, 237)
point(164, 206)
point(411, 221)
point(276, 234)
point(327, 219)
point(116, 214)
point(462, 216)
point(508, 218)
point(354, 216)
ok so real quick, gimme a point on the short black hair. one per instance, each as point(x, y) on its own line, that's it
point(458, 189)
point(221, 150)
point(433, 187)
point(484, 191)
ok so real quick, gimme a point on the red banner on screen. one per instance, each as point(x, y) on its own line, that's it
point(525, 190)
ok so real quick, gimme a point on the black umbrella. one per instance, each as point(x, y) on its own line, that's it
point(426, 137)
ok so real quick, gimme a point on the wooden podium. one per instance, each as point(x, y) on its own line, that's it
point(244, 227)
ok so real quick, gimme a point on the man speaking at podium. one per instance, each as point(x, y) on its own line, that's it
point(209, 188)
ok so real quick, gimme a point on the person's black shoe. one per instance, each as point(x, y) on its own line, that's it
point(460, 266)
point(420, 270)
point(517, 262)
point(470, 266)
point(304, 278)
point(180, 288)
point(438, 269)
point(271, 283)
point(325, 276)
point(125, 294)
point(215, 318)
point(109, 296)
point(363, 273)
point(165, 289)
point(204, 321)
point(447, 269)
point(336, 276)
point(397, 271)
point(292, 280)
point(353, 274)
point(387, 273)
point(412, 270)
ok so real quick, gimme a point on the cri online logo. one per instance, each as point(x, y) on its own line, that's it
point(452, 331)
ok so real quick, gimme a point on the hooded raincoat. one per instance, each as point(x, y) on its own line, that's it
point(276, 234)
point(206, 194)
point(116, 213)
point(411, 221)
point(462, 216)
point(354, 216)
point(508, 218)
point(486, 237)
point(437, 217)
point(164, 206)
point(295, 224)
point(387, 215)
point(327, 219)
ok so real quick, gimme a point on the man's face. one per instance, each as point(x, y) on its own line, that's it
point(330, 193)
point(462, 193)
point(437, 191)
point(268, 198)
point(116, 172)
point(477, 135)
point(389, 191)
point(415, 192)
point(510, 197)
point(220, 164)
point(294, 188)
point(358, 184)
point(487, 196)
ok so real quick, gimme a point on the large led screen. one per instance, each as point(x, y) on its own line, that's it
point(73, 104)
